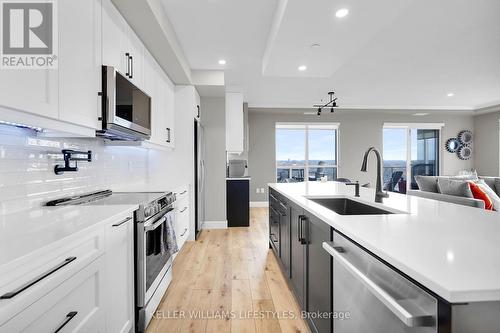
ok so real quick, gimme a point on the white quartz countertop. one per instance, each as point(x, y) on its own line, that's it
point(452, 250)
point(28, 231)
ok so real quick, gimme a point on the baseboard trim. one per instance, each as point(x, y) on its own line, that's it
point(255, 204)
point(214, 225)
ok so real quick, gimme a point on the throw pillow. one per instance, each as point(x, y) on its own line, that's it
point(427, 183)
point(497, 186)
point(489, 191)
point(480, 194)
point(457, 188)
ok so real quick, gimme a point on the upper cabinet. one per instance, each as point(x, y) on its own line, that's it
point(234, 122)
point(161, 90)
point(80, 67)
point(121, 48)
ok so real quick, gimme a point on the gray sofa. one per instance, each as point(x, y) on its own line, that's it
point(455, 199)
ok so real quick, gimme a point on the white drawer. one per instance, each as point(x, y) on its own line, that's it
point(73, 306)
point(182, 197)
point(35, 275)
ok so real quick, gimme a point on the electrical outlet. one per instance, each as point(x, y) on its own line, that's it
point(262, 190)
point(257, 190)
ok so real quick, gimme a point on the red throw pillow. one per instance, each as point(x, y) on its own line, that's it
point(478, 193)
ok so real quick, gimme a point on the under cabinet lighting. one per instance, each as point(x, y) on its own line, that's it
point(34, 128)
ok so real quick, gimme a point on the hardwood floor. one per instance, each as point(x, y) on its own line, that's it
point(229, 281)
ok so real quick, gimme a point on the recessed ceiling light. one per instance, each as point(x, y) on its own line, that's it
point(420, 114)
point(342, 12)
point(222, 62)
point(302, 68)
point(450, 94)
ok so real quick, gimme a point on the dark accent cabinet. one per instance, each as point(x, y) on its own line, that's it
point(238, 202)
point(319, 273)
point(302, 258)
point(298, 254)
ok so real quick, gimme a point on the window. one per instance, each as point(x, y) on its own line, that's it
point(410, 150)
point(306, 152)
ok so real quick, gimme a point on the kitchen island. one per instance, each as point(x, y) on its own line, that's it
point(446, 250)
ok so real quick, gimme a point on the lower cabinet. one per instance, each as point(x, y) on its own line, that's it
point(73, 306)
point(298, 255)
point(303, 259)
point(119, 259)
point(319, 273)
point(84, 283)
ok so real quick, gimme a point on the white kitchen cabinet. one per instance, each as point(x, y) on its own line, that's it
point(121, 48)
point(114, 34)
point(30, 90)
point(119, 265)
point(160, 88)
point(182, 215)
point(80, 67)
point(234, 122)
point(76, 305)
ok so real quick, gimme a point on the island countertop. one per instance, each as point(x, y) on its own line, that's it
point(452, 250)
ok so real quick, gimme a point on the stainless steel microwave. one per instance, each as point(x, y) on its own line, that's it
point(126, 109)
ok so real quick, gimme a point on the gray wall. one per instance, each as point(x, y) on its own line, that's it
point(358, 130)
point(486, 144)
point(213, 118)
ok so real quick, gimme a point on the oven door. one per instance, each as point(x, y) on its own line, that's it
point(152, 263)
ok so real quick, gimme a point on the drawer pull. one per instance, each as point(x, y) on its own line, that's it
point(184, 209)
point(122, 222)
point(185, 230)
point(183, 192)
point(69, 316)
point(37, 279)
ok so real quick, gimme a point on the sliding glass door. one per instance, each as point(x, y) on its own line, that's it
point(409, 151)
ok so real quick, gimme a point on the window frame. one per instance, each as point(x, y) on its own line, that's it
point(416, 126)
point(306, 127)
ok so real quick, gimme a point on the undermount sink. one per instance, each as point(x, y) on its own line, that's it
point(344, 206)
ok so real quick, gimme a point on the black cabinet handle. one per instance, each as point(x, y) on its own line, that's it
point(127, 55)
point(185, 230)
point(299, 228)
point(168, 134)
point(183, 209)
point(198, 107)
point(303, 240)
point(183, 192)
point(69, 316)
point(131, 66)
point(37, 279)
point(122, 222)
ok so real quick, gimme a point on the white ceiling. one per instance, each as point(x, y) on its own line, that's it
point(386, 54)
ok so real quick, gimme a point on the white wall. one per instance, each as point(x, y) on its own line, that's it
point(486, 144)
point(358, 130)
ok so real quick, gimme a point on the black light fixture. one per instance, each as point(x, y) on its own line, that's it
point(332, 104)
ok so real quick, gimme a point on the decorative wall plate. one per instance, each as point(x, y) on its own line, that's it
point(464, 152)
point(465, 137)
point(452, 145)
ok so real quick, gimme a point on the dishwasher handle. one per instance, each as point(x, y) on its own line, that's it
point(392, 304)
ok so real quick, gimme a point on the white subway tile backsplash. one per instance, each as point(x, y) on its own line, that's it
point(27, 161)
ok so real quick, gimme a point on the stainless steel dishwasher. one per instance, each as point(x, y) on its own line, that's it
point(376, 298)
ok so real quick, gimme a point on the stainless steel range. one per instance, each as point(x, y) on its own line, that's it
point(153, 271)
